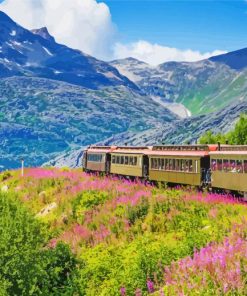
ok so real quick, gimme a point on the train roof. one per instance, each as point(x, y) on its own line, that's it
point(172, 150)
point(195, 147)
point(233, 148)
point(185, 153)
point(229, 152)
point(132, 150)
point(100, 149)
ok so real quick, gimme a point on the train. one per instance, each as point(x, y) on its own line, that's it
point(219, 167)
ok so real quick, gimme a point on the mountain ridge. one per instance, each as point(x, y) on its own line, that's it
point(25, 53)
point(54, 99)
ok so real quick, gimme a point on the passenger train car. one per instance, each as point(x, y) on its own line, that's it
point(216, 166)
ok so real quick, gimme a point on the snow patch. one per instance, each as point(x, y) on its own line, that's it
point(16, 43)
point(47, 51)
point(178, 109)
point(13, 33)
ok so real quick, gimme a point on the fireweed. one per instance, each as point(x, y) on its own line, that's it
point(142, 229)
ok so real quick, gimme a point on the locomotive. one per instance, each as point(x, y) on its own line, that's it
point(215, 166)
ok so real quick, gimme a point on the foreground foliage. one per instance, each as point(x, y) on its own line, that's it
point(127, 238)
point(27, 267)
point(238, 136)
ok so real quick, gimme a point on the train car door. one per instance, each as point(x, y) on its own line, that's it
point(108, 163)
point(205, 170)
point(145, 166)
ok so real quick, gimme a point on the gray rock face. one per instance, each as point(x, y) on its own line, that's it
point(40, 118)
point(202, 87)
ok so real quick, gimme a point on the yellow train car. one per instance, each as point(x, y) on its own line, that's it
point(185, 165)
point(229, 169)
point(130, 161)
point(97, 159)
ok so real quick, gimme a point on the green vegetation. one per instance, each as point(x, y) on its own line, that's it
point(238, 136)
point(27, 266)
point(67, 233)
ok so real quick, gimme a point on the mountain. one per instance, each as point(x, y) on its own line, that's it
point(236, 60)
point(36, 54)
point(43, 32)
point(55, 100)
point(183, 131)
point(40, 118)
point(201, 87)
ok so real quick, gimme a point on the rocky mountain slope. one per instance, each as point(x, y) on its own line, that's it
point(36, 54)
point(182, 131)
point(40, 118)
point(55, 100)
point(202, 87)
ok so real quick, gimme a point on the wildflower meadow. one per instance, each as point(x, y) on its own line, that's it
point(65, 232)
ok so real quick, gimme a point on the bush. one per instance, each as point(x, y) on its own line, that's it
point(26, 267)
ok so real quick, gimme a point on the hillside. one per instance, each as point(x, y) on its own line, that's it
point(87, 235)
point(40, 118)
point(202, 87)
point(54, 98)
point(183, 131)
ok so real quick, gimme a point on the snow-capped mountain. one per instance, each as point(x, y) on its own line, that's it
point(36, 54)
point(55, 99)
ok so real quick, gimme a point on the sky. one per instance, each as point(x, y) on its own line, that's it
point(154, 31)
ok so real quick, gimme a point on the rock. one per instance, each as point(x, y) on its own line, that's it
point(42, 194)
point(49, 208)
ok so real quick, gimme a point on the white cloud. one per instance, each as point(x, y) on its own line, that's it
point(155, 54)
point(87, 25)
point(81, 24)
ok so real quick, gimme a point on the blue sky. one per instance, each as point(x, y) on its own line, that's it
point(200, 25)
point(154, 31)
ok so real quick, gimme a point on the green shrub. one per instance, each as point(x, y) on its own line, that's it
point(26, 266)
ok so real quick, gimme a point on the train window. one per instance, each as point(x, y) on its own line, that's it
point(187, 168)
point(177, 165)
point(159, 164)
point(113, 160)
point(155, 163)
point(190, 166)
point(213, 165)
point(239, 166)
point(118, 159)
point(135, 160)
point(226, 165)
point(174, 164)
point(131, 160)
point(170, 164)
point(182, 165)
point(122, 159)
point(245, 166)
point(219, 164)
point(232, 167)
point(126, 160)
point(94, 157)
point(162, 164)
point(166, 164)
